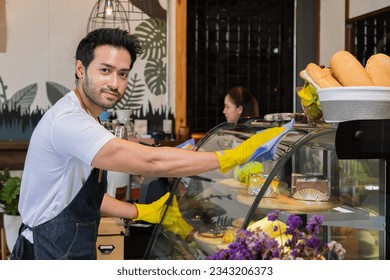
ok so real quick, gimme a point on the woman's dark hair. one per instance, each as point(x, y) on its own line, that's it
point(241, 96)
point(107, 36)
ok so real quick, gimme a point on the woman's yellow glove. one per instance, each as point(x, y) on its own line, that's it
point(153, 212)
point(230, 158)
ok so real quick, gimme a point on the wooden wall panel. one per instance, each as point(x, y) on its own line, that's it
point(13, 154)
point(3, 27)
point(181, 64)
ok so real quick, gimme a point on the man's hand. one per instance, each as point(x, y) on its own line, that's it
point(180, 227)
point(153, 212)
point(230, 158)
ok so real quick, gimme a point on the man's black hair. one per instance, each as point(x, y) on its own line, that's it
point(107, 36)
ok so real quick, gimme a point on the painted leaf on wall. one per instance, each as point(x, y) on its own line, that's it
point(55, 91)
point(23, 98)
point(133, 98)
point(155, 77)
point(152, 36)
point(3, 96)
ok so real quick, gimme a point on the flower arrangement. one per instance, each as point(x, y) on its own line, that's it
point(298, 245)
point(310, 102)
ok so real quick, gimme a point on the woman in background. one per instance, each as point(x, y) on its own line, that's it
point(239, 103)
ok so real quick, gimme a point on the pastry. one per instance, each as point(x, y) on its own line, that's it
point(319, 77)
point(216, 231)
point(256, 182)
point(378, 68)
point(311, 189)
point(241, 173)
point(229, 235)
point(348, 70)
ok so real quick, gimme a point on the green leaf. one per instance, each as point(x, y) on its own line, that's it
point(9, 195)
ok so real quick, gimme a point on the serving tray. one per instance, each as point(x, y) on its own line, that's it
point(288, 203)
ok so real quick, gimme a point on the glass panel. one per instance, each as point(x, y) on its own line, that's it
point(304, 177)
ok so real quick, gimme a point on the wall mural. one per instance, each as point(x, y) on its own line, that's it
point(18, 119)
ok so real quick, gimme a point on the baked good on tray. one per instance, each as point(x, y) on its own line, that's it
point(209, 235)
point(212, 231)
point(256, 182)
point(311, 189)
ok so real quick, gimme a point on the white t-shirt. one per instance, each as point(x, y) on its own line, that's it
point(59, 159)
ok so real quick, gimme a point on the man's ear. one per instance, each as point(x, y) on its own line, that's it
point(79, 69)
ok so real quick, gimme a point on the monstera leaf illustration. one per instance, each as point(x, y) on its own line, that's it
point(152, 36)
point(55, 91)
point(133, 95)
point(155, 76)
point(23, 98)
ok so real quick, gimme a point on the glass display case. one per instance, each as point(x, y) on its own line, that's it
point(339, 171)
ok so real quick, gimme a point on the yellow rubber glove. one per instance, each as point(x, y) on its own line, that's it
point(153, 212)
point(230, 158)
point(180, 227)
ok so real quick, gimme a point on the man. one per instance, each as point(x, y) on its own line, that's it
point(63, 185)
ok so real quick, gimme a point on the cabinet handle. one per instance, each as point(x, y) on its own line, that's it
point(106, 249)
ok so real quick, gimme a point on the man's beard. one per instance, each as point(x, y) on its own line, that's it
point(94, 95)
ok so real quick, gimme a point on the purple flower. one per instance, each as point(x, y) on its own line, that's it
point(259, 245)
point(293, 222)
point(313, 226)
point(243, 234)
point(220, 255)
point(273, 216)
point(314, 242)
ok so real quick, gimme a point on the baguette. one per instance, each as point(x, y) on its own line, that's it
point(378, 68)
point(319, 77)
point(348, 70)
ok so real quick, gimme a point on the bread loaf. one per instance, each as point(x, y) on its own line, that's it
point(319, 77)
point(348, 70)
point(378, 68)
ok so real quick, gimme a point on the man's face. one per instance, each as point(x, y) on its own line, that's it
point(107, 75)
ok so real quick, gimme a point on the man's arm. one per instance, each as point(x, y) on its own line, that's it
point(151, 212)
point(116, 208)
point(133, 158)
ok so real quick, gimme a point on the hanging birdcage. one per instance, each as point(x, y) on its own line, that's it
point(108, 14)
point(135, 9)
point(144, 9)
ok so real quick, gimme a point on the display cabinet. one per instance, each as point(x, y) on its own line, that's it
point(347, 163)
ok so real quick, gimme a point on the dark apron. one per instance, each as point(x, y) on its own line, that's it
point(72, 234)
